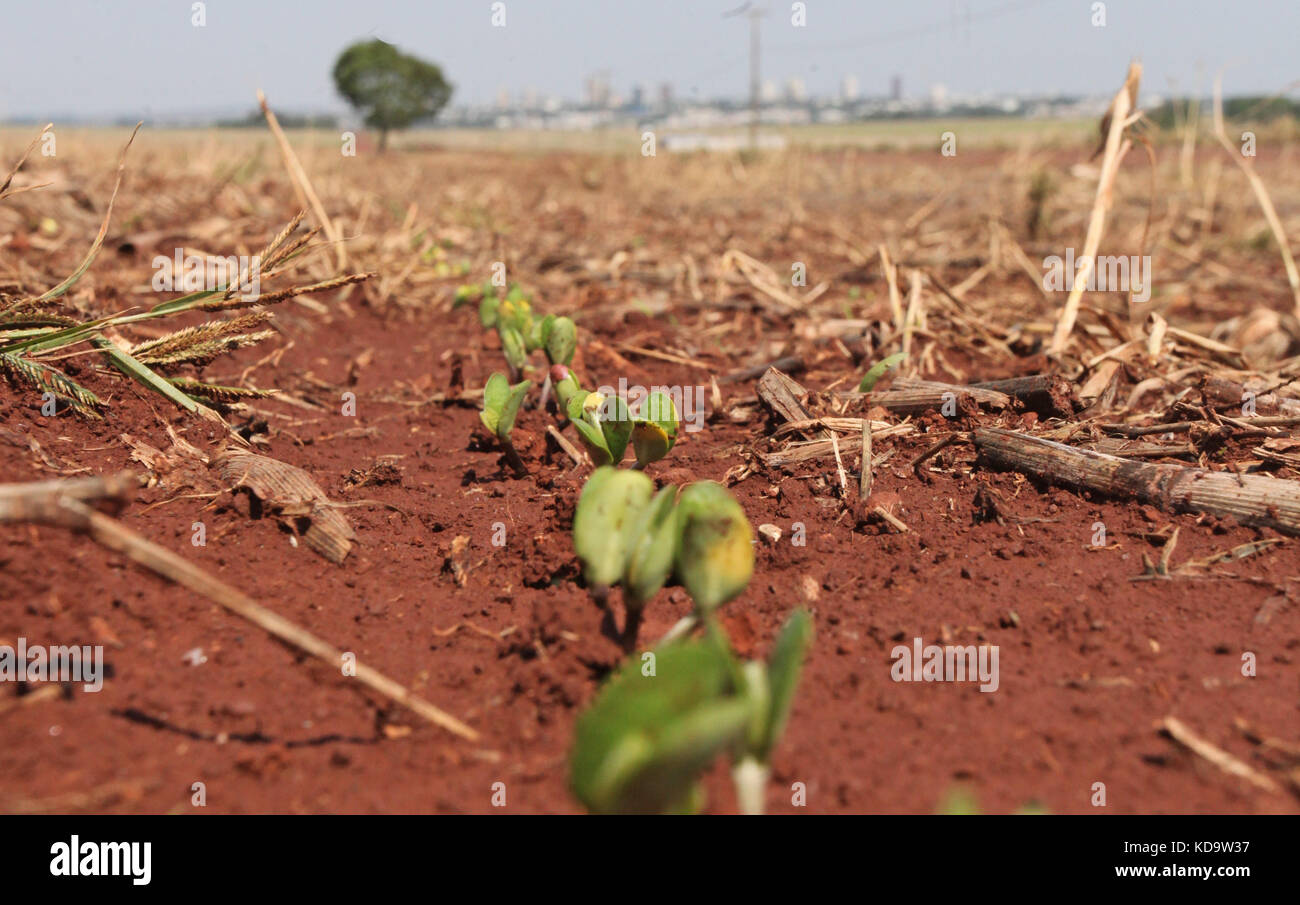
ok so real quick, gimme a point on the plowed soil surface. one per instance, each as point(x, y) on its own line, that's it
point(1091, 660)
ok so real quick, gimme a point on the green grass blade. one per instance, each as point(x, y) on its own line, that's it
point(103, 231)
point(139, 372)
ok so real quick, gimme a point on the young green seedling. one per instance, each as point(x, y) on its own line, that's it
point(877, 371)
point(466, 293)
point(516, 312)
point(603, 523)
point(643, 744)
point(488, 307)
point(655, 429)
point(770, 688)
point(560, 340)
point(565, 383)
point(652, 547)
point(501, 403)
point(538, 330)
point(521, 333)
point(603, 425)
point(623, 536)
point(512, 347)
point(651, 733)
point(715, 554)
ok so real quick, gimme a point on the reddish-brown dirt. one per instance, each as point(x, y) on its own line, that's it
point(1090, 659)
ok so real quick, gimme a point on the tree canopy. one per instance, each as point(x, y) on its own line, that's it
point(390, 89)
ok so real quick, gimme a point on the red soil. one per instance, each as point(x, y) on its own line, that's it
point(1090, 659)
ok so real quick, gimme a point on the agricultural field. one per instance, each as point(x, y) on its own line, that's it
point(864, 347)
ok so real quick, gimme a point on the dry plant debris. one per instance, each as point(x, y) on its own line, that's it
point(1023, 456)
point(291, 494)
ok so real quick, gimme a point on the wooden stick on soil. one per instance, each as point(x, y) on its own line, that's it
point(1251, 499)
point(579, 458)
point(864, 479)
point(59, 503)
point(839, 466)
point(1047, 394)
point(909, 396)
point(39, 501)
point(1215, 755)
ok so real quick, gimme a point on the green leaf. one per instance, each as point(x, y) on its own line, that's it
point(644, 742)
point(487, 310)
point(587, 426)
point(512, 345)
point(561, 341)
point(653, 547)
point(68, 336)
point(616, 425)
point(495, 393)
point(594, 440)
point(607, 512)
point(959, 801)
point(541, 329)
point(100, 236)
point(565, 388)
point(756, 686)
point(655, 430)
point(184, 303)
point(510, 409)
point(878, 370)
point(715, 558)
point(132, 368)
point(784, 667)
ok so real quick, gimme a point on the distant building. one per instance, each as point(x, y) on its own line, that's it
point(896, 88)
point(849, 88)
point(795, 91)
point(666, 96)
point(597, 90)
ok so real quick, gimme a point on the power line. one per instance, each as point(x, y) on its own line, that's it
point(896, 36)
point(916, 31)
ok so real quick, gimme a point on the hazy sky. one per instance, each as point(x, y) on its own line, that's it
point(144, 57)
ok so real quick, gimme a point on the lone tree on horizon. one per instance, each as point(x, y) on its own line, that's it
point(390, 89)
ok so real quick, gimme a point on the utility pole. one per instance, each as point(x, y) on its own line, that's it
point(755, 15)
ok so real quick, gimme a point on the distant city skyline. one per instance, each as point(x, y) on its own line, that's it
point(95, 61)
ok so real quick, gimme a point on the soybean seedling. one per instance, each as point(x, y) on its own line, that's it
point(501, 403)
point(654, 430)
point(658, 724)
point(565, 383)
point(521, 332)
point(626, 534)
point(770, 688)
point(603, 423)
point(643, 744)
point(605, 426)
